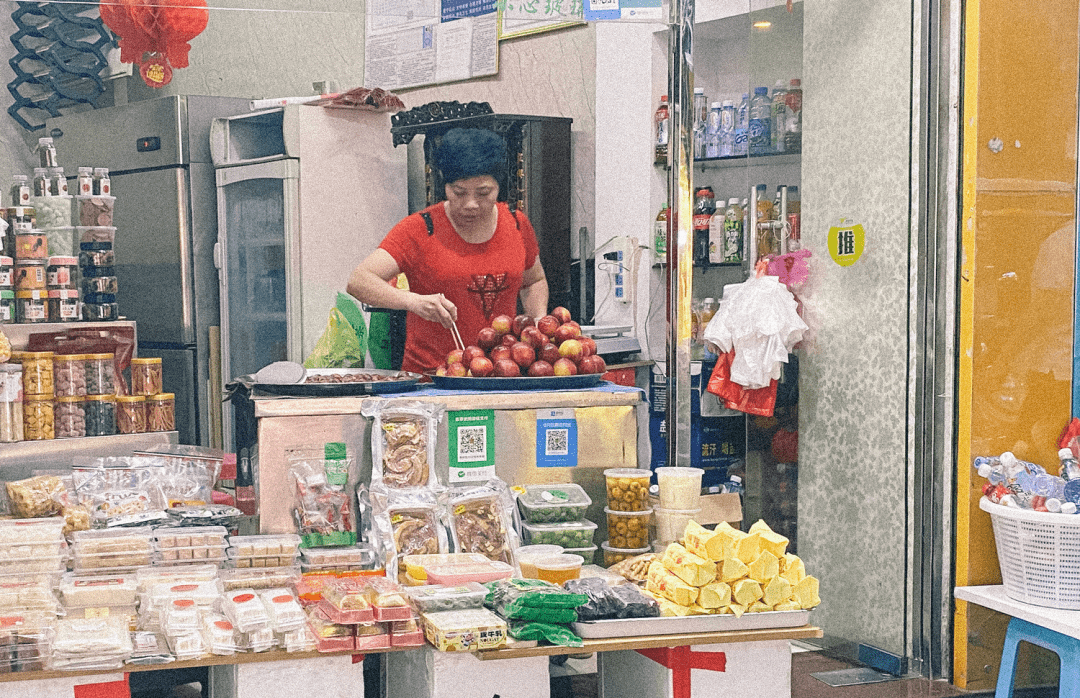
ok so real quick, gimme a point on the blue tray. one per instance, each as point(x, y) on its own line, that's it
point(587, 380)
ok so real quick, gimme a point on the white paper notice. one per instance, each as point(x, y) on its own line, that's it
point(395, 15)
point(454, 46)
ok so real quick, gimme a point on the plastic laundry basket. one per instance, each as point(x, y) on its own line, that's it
point(1039, 555)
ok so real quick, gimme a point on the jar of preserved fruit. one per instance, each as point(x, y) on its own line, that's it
point(161, 412)
point(63, 305)
point(146, 376)
point(100, 413)
point(61, 272)
point(131, 414)
point(69, 374)
point(32, 306)
point(30, 275)
point(8, 313)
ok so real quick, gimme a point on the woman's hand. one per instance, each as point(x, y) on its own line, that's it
point(434, 308)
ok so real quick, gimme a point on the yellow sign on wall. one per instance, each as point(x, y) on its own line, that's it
point(846, 242)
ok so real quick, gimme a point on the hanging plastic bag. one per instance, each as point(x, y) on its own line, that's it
point(760, 401)
point(338, 347)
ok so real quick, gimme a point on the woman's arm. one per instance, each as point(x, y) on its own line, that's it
point(534, 291)
point(369, 283)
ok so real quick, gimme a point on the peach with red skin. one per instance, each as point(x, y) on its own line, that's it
point(533, 337)
point(565, 367)
point(566, 332)
point(487, 338)
point(548, 324)
point(441, 370)
point(571, 349)
point(508, 340)
point(550, 353)
point(523, 355)
point(506, 368)
point(471, 352)
point(481, 367)
point(562, 313)
point(457, 370)
point(501, 323)
point(454, 357)
point(541, 369)
point(521, 322)
point(588, 346)
point(500, 352)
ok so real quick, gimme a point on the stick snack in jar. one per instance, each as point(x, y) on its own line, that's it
point(146, 376)
point(628, 489)
point(161, 412)
point(130, 414)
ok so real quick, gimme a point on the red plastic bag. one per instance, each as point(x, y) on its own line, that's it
point(760, 401)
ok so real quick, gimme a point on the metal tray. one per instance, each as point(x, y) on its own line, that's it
point(304, 389)
point(587, 380)
point(673, 625)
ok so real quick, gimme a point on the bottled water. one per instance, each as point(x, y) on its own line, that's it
point(712, 131)
point(727, 129)
point(700, 114)
point(760, 125)
point(779, 117)
point(742, 121)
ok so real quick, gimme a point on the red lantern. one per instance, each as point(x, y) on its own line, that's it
point(155, 33)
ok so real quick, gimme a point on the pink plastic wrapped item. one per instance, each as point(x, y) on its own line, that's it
point(387, 599)
point(344, 601)
point(488, 571)
point(372, 636)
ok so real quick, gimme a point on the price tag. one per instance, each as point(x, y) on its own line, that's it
point(556, 439)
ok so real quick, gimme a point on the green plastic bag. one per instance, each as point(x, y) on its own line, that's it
point(351, 310)
point(338, 347)
point(547, 632)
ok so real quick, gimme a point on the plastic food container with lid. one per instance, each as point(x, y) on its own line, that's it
point(553, 503)
point(95, 237)
point(628, 488)
point(525, 555)
point(31, 245)
point(94, 211)
point(30, 275)
point(588, 554)
point(430, 598)
point(284, 610)
point(100, 312)
point(69, 416)
point(8, 312)
point(628, 529)
point(146, 376)
point(32, 306)
point(416, 565)
point(69, 374)
point(130, 414)
point(262, 578)
point(487, 571)
point(99, 285)
point(680, 488)
point(558, 568)
point(671, 523)
point(38, 421)
point(572, 534)
point(97, 590)
point(37, 371)
point(100, 415)
point(51, 211)
point(161, 412)
point(11, 403)
point(99, 371)
point(63, 305)
point(353, 557)
point(7, 272)
point(387, 599)
point(613, 555)
point(61, 272)
point(61, 241)
point(245, 609)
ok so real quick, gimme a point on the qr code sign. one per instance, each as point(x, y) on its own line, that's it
point(601, 5)
point(472, 444)
point(557, 443)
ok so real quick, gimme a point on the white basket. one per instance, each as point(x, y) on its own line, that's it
point(1039, 555)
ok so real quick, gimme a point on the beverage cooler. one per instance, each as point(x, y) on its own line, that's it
point(304, 194)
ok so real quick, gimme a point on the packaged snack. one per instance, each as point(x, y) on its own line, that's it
point(324, 628)
point(244, 608)
point(179, 616)
point(91, 643)
point(299, 640)
point(149, 577)
point(486, 571)
point(531, 599)
point(35, 496)
point(416, 565)
point(403, 438)
point(25, 641)
point(634, 568)
point(335, 644)
point(360, 557)
point(371, 636)
point(607, 602)
point(480, 522)
point(464, 631)
point(28, 594)
point(324, 512)
point(412, 526)
point(205, 594)
point(205, 515)
point(387, 599)
point(432, 598)
point(258, 640)
point(274, 550)
point(149, 648)
point(87, 590)
point(558, 568)
point(259, 578)
point(402, 637)
point(553, 503)
point(552, 633)
point(188, 545)
point(187, 646)
point(284, 610)
point(572, 534)
point(605, 575)
point(344, 601)
point(118, 548)
point(119, 491)
point(218, 635)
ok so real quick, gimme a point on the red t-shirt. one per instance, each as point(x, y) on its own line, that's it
point(481, 280)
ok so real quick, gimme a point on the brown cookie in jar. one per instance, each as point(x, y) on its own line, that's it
point(30, 275)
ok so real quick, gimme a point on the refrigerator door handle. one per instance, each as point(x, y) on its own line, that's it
point(218, 263)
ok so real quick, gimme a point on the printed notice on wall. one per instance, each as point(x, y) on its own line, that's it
point(472, 445)
point(556, 438)
point(410, 43)
point(522, 17)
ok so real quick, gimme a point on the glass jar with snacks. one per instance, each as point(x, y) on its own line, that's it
point(37, 370)
point(70, 417)
point(161, 412)
point(38, 417)
point(32, 306)
point(100, 415)
point(61, 272)
point(8, 313)
point(628, 489)
point(30, 275)
point(628, 529)
point(613, 555)
point(69, 374)
point(558, 568)
point(31, 245)
point(63, 305)
point(146, 376)
point(7, 272)
point(131, 414)
point(99, 374)
point(11, 403)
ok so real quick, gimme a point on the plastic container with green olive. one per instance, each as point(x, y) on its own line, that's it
point(572, 534)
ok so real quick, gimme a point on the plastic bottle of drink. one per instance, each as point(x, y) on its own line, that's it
point(20, 190)
point(733, 232)
point(794, 218)
point(661, 121)
point(703, 210)
point(793, 129)
point(779, 117)
point(742, 125)
point(660, 232)
point(1070, 469)
point(727, 129)
point(701, 113)
point(42, 186)
point(696, 347)
point(734, 485)
point(716, 233)
point(713, 131)
point(760, 122)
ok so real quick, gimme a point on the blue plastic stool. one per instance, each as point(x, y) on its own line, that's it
point(1066, 648)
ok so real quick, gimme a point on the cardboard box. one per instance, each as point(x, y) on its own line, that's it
point(427, 673)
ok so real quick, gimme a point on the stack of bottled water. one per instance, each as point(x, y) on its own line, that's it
point(1016, 483)
point(761, 124)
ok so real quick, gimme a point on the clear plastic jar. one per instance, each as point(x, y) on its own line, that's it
point(8, 314)
point(100, 415)
point(131, 414)
point(70, 417)
point(11, 403)
point(32, 306)
point(99, 374)
point(63, 305)
point(161, 412)
point(61, 272)
point(146, 376)
point(31, 245)
point(69, 373)
point(7, 272)
point(30, 275)
point(37, 371)
point(38, 418)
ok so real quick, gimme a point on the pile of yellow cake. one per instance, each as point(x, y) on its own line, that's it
point(728, 571)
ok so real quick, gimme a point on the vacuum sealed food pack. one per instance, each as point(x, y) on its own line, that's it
point(408, 523)
point(480, 520)
point(403, 438)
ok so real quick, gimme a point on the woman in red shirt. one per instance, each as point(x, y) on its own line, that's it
point(467, 259)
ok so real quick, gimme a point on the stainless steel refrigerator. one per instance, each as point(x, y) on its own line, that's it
point(158, 155)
